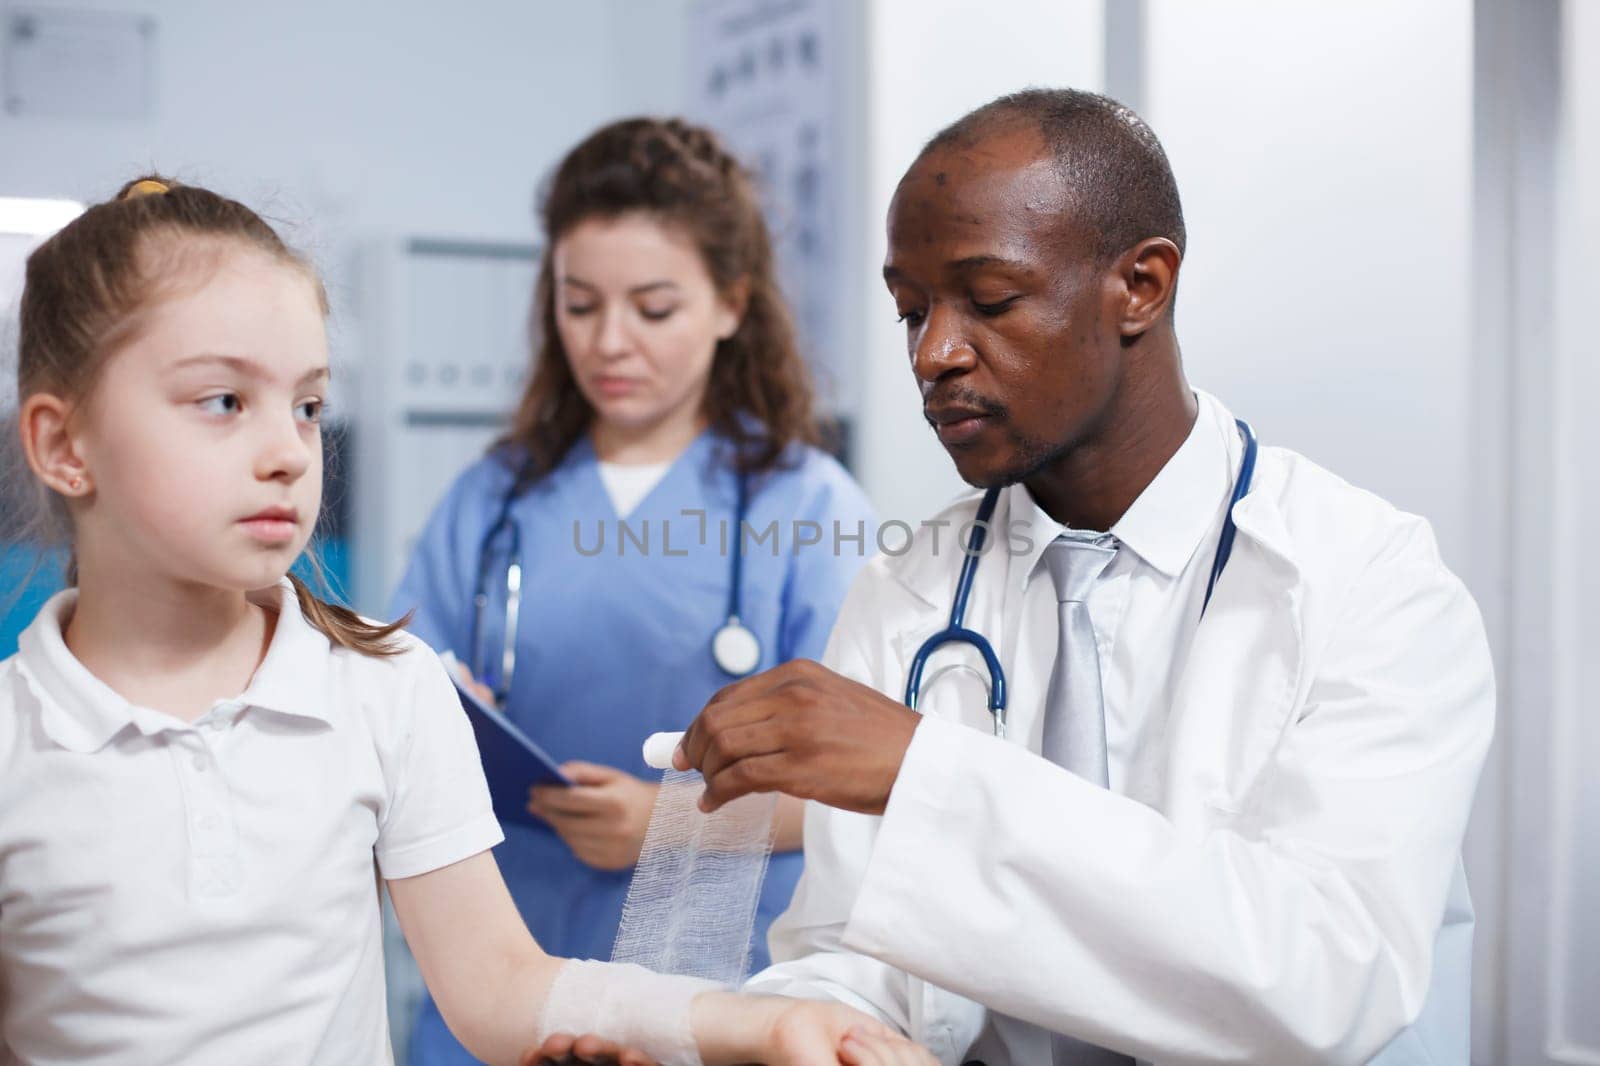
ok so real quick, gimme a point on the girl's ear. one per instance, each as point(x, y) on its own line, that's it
point(45, 424)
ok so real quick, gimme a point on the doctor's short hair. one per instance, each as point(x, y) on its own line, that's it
point(1117, 175)
point(83, 293)
point(759, 395)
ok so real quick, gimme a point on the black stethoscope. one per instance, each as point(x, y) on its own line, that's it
point(735, 649)
point(957, 632)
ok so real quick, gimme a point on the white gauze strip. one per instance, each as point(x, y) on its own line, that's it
point(691, 906)
point(628, 1004)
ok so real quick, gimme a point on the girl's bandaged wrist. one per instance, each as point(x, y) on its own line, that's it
point(627, 1004)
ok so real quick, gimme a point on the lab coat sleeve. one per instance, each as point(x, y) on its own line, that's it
point(1298, 930)
point(806, 941)
point(821, 573)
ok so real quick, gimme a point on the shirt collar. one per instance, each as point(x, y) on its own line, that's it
point(293, 676)
point(1173, 514)
point(82, 713)
point(1170, 518)
point(77, 710)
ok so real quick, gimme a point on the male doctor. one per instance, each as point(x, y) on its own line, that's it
point(1213, 832)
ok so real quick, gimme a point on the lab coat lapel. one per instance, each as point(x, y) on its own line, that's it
point(1243, 674)
point(931, 574)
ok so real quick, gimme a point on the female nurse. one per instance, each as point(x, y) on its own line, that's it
point(667, 387)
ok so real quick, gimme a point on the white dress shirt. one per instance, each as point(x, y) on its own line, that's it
point(207, 892)
point(1145, 605)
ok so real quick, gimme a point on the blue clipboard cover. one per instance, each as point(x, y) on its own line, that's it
point(511, 762)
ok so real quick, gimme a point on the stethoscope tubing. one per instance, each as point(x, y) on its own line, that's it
point(505, 522)
point(956, 631)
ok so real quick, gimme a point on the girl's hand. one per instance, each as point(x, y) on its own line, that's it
point(602, 817)
point(766, 1029)
point(863, 1048)
point(817, 1033)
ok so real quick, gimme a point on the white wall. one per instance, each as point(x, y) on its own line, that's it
point(1550, 796)
point(346, 120)
point(650, 57)
point(930, 62)
point(1574, 932)
point(1324, 156)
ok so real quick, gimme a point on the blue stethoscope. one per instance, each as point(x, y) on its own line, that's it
point(735, 649)
point(958, 633)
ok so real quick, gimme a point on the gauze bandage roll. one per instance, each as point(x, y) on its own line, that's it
point(658, 749)
point(627, 1004)
point(691, 907)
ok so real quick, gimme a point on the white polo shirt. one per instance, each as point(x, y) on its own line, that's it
point(206, 893)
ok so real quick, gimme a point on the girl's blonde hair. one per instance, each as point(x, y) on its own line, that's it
point(83, 296)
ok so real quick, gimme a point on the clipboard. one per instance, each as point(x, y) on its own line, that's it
point(512, 763)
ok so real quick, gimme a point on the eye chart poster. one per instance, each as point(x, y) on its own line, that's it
point(772, 77)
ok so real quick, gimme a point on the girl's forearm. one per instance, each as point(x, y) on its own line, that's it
point(732, 1028)
point(501, 1023)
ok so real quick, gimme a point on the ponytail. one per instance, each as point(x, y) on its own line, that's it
point(341, 625)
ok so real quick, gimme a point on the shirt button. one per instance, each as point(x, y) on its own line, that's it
point(200, 763)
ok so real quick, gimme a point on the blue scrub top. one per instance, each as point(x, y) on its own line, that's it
point(614, 641)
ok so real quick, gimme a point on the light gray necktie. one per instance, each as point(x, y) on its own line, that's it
point(1075, 710)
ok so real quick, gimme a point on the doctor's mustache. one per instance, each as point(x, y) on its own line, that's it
point(957, 401)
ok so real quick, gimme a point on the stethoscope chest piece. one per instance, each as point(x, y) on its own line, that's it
point(736, 649)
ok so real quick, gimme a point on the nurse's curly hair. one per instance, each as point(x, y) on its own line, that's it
point(759, 395)
point(83, 297)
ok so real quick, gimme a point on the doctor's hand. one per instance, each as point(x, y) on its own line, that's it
point(563, 1049)
point(602, 817)
point(802, 729)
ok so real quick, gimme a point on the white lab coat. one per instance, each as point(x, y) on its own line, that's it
point(1295, 896)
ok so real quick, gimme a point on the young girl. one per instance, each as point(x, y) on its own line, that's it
point(667, 395)
point(202, 764)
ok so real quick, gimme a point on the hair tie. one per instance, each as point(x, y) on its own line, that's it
point(146, 187)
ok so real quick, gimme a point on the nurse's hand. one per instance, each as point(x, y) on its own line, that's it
point(802, 729)
point(602, 817)
point(464, 676)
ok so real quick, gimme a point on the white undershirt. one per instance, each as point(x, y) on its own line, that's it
point(628, 483)
point(1145, 606)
